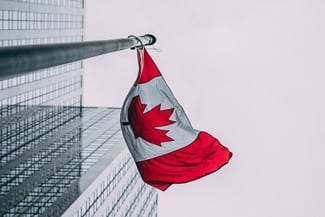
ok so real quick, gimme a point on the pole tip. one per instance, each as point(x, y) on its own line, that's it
point(153, 39)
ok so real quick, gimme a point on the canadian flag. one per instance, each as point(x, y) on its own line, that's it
point(165, 147)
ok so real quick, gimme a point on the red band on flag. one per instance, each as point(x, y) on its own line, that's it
point(147, 68)
point(200, 158)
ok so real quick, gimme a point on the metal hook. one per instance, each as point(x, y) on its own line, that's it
point(138, 39)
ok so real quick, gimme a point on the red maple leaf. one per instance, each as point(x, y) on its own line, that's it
point(145, 124)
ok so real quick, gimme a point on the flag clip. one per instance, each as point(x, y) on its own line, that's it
point(125, 123)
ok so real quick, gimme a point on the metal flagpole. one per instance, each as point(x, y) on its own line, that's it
point(18, 60)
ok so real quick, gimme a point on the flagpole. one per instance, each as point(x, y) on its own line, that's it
point(19, 60)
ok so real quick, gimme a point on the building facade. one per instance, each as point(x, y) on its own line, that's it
point(56, 157)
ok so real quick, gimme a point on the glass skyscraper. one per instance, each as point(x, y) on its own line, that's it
point(58, 158)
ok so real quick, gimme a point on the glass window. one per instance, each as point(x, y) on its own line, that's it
point(5, 15)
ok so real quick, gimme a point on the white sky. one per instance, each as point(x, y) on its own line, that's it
point(249, 72)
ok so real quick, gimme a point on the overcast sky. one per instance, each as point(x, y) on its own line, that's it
point(249, 72)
